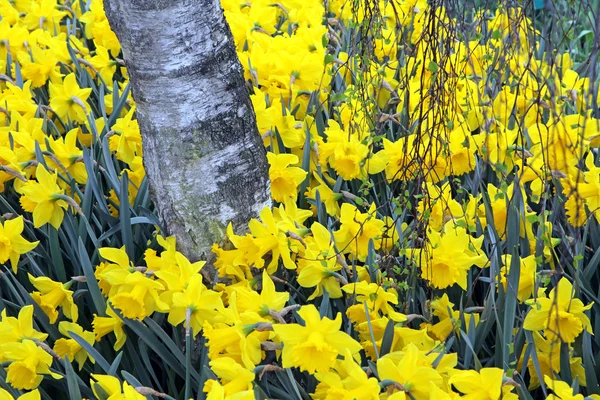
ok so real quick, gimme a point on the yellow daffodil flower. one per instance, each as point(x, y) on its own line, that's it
point(70, 347)
point(316, 345)
point(12, 244)
point(111, 386)
point(560, 316)
point(51, 295)
point(111, 323)
point(69, 100)
point(44, 199)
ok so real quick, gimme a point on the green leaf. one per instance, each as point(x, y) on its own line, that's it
point(109, 166)
point(90, 278)
point(388, 337)
point(188, 358)
point(447, 346)
point(294, 383)
point(117, 105)
point(324, 309)
point(371, 330)
point(145, 358)
point(115, 365)
point(371, 261)
point(162, 335)
point(565, 364)
point(592, 266)
point(178, 365)
point(510, 307)
point(589, 364)
point(305, 167)
point(132, 380)
point(72, 384)
point(259, 394)
point(433, 67)
point(469, 344)
point(125, 217)
point(536, 362)
point(92, 182)
point(204, 360)
point(18, 75)
point(100, 360)
point(55, 252)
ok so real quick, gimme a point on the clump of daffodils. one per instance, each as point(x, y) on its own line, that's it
point(433, 198)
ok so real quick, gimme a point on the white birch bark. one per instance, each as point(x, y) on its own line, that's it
point(203, 154)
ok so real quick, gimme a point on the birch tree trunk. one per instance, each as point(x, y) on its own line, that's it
point(203, 155)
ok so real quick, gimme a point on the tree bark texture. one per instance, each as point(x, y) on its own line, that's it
point(203, 155)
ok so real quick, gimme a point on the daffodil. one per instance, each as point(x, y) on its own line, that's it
point(409, 372)
point(269, 238)
point(51, 295)
point(316, 345)
point(495, 147)
point(20, 99)
point(116, 259)
point(111, 323)
point(548, 354)
point(234, 380)
point(69, 100)
point(194, 305)
point(95, 14)
point(345, 152)
point(403, 336)
point(449, 318)
point(399, 165)
point(104, 64)
point(174, 271)
point(28, 364)
point(106, 385)
point(346, 380)
point(284, 179)
point(12, 244)
point(560, 390)
point(33, 395)
point(527, 273)
point(487, 384)
point(438, 205)
point(561, 316)
point(233, 335)
point(135, 294)
point(70, 347)
point(127, 139)
point(70, 156)
point(378, 301)
point(319, 264)
point(462, 152)
point(357, 229)
point(262, 303)
point(20, 328)
point(44, 14)
point(44, 198)
point(40, 68)
point(326, 195)
point(449, 256)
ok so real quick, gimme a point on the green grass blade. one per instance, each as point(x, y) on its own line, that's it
point(90, 278)
point(100, 360)
point(388, 338)
point(72, 384)
point(125, 217)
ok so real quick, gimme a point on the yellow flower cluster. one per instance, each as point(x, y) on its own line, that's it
point(332, 250)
